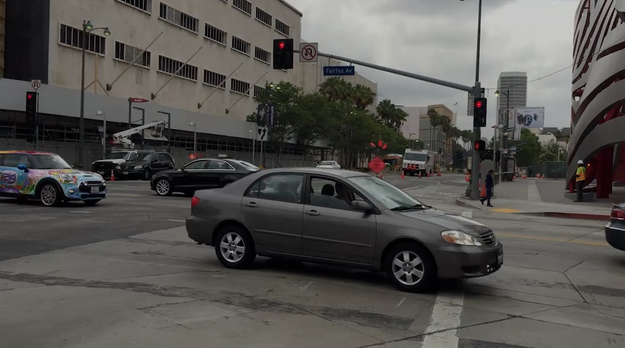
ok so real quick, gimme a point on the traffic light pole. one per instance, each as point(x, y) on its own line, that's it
point(473, 190)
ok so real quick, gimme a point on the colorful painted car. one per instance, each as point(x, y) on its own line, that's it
point(47, 177)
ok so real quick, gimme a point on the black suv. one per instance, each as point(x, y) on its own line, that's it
point(143, 167)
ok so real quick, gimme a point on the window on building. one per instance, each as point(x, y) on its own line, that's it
point(129, 53)
point(257, 91)
point(239, 86)
point(261, 54)
point(73, 37)
point(179, 18)
point(174, 67)
point(214, 79)
point(282, 28)
point(243, 5)
point(144, 5)
point(215, 34)
point(263, 17)
point(241, 45)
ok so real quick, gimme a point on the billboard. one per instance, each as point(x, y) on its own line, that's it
point(529, 117)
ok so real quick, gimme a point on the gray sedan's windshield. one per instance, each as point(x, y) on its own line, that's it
point(388, 195)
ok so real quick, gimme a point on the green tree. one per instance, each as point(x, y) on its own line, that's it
point(550, 152)
point(313, 120)
point(529, 149)
point(390, 115)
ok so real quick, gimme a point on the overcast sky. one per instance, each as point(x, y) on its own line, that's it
point(437, 38)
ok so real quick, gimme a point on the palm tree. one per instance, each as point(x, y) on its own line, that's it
point(385, 110)
point(362, 96)
point(336, 89)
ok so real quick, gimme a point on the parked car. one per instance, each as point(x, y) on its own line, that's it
point(615, 228)
point(329, 165)
point(144, 167)
point(48, 178)
point(341, 217)
point(105, 166)
point(201, 174)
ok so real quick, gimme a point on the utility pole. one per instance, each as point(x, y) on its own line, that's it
point(474, 188)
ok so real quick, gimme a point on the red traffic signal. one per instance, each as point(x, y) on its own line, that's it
point(479, 145)
point(29, 96)
point(478, 104)
point(281, 45)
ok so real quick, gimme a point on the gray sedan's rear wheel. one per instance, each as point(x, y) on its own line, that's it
point(411, 267)
point(235, 247)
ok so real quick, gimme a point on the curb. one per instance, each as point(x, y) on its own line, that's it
point(577, 216)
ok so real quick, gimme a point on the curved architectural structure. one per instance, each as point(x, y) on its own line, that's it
point(598, 94)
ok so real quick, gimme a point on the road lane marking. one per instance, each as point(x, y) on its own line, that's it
point(175, 220)
point(80, 212)
point(467, 214)
point(114, 194)
point(306, 287)
point(400, 302)
point(446, 315)
point(546, 239)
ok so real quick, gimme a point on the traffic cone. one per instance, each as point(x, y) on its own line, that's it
point(439, 173)
point(381, 176)
point(466, 178)
point(483, 191)
point(402, 174)
point(514, 178)
point(524, 176)
point(112, 175)
point(538, 176)
point(420, 175)
point(542, 177)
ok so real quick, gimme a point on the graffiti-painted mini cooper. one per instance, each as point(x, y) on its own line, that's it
point(47, 177)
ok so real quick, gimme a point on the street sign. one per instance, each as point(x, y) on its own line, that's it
point(377, 165)
point(471, 101)
point(35, 84)
point(339, 70)
point(137, 100)
point(262, 134)
point(308, 52)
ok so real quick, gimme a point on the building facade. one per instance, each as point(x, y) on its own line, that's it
point(2, 25)
point(205, 63)
point(410, 127)
point(598, 95)
point(418, 127)
point(512, 87)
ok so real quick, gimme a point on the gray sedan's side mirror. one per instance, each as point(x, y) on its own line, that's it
point(361, 205)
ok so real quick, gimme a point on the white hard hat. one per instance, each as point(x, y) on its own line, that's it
point(580, 162)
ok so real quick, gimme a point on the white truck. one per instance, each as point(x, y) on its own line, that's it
point(418, 162)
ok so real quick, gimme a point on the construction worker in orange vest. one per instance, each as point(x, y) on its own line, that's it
point(580, 177)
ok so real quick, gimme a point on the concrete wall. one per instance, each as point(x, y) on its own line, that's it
point(133, 27)
point(2, 21)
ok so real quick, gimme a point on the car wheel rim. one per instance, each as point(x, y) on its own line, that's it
point(162, 187)
point(408, 268)
point(232, 247)
point(48, 195)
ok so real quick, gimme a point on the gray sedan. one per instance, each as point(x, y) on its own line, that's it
point(344, 218)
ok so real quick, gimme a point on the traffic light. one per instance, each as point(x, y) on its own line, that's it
point(479, 112)
point(479, 145)
point(31, 108)
point(283, 54)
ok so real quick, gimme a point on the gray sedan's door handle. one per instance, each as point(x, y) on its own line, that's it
point(251, 205)
point(313, 213)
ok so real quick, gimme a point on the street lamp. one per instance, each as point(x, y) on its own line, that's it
point(194, 125)
point(87, 28)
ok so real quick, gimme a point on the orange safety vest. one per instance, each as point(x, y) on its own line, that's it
point(581, 174)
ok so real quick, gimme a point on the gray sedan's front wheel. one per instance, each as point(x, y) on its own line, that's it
point(235, 247)
point(163, 187)
point(411, 267)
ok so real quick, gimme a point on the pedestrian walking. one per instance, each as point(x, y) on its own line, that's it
point(489, 189)
point(580, 177)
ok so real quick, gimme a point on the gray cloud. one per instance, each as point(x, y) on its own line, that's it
point(437, 38)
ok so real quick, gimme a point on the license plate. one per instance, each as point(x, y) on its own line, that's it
point(95, 190)
point(125, 173)
point(500, 259)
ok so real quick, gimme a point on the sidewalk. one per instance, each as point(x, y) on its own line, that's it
point(524, 197)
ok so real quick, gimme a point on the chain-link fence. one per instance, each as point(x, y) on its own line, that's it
point(551, 170)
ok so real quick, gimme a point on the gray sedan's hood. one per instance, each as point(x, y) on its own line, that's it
point(448, 221)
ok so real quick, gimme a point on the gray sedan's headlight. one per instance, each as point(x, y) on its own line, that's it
point(460, 238)
point(138, 167)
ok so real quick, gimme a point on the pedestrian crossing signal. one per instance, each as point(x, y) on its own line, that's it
point(479, 145)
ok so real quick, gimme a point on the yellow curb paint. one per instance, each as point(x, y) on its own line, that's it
point(546, 239)
point(505, 210)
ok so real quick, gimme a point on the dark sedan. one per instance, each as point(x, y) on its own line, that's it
point(201, 174)
point(144, 167)
point(615, 228)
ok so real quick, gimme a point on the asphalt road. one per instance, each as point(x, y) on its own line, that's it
point(123, 273)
